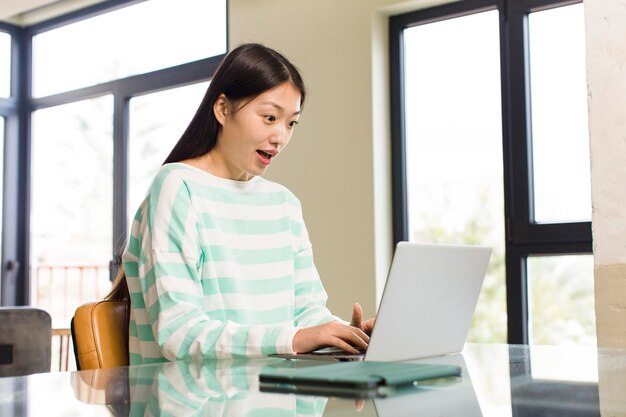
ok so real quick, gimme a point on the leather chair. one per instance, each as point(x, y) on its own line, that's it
point(25, 341)
point(100, 334)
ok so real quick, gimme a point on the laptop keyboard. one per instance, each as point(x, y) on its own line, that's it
point(337, 351)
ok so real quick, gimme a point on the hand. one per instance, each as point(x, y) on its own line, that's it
point(357, 320)
point(334, 334)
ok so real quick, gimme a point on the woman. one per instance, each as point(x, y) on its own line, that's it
point(219, 262)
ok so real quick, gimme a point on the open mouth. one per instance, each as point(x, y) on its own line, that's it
point(266, 158)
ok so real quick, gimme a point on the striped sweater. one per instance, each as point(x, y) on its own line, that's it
point(218, 268)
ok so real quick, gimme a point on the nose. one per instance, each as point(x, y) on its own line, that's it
point(280, 136)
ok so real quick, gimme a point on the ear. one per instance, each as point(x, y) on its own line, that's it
point(221, 109)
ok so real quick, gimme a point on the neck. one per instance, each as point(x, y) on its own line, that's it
point(214, 163)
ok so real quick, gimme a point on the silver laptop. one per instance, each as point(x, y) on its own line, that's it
point(427, 305)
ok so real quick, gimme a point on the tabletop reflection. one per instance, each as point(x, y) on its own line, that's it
point(215, 388)
point(496, 380)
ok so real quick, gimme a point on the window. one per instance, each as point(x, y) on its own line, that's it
point(561, 300)
point(5, 108)
point(152, 135)
point(515, 176)
point(176, 32)
point(101, 112)
point(452, 102)
point(5, 64)
point(71, 205)
point(1, 182)
point(559, 116)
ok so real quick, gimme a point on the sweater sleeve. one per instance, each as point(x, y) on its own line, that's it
point(169, 273)
point(310, 295)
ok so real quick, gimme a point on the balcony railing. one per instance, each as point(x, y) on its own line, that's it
point(59, 289)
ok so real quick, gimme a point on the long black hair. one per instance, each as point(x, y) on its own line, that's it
point(246, 72)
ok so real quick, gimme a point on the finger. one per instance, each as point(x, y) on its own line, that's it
point(360, 333)
point(344, 337)
point(343, 345)
point(355, 337)
point(349, 336)
point(368, 326)
point(357, 315)
point(359, 404)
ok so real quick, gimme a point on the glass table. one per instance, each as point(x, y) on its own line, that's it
point(496, 380)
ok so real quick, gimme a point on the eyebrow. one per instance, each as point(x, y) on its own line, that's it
point(271, 103)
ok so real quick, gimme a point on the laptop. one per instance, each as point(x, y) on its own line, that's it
point(427, 304)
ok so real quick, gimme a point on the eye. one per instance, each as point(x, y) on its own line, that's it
point(293, 123)
point(270, 118)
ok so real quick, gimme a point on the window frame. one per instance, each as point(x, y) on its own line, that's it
point(18, 110)
point(13, 230)
point(523, 237)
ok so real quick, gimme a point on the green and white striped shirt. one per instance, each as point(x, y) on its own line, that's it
point(219, 268)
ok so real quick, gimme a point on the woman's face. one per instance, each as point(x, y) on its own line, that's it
point(254, 132)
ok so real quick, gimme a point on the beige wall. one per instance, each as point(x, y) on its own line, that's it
point(606, 77)
point(328, 163)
